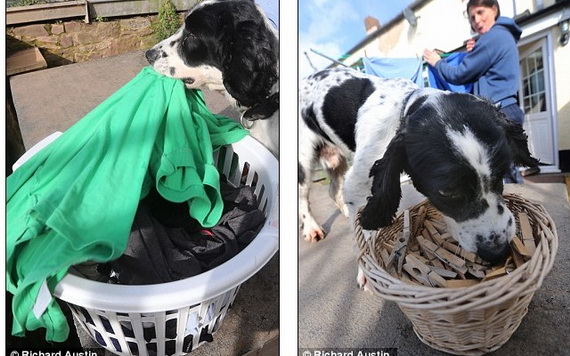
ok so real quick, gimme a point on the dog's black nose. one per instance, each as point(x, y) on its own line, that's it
point(152, 55)
point(494, 254)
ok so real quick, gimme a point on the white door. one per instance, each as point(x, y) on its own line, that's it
point(536, 103)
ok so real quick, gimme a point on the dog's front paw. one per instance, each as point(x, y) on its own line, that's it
point(361, 281)
point(312, 232)
point(343, 209)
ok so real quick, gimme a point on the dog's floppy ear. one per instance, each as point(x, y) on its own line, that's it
point(250, 68)
point(386, 192)
point(518, 143)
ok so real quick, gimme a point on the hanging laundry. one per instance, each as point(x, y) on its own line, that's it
point(436, 81)
point(407, 68)
point(75, 200)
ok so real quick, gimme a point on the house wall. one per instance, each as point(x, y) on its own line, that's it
point(522, 5)
point(440, 24)
point(562, 73)
point(538, 5)
point(75, 41)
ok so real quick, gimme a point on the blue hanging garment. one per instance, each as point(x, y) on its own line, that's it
point(408, 68)
point(436, 81)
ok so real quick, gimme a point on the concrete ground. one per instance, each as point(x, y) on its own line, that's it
point(54, 99)
point(334, 313)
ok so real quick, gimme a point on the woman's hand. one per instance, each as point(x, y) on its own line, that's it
point(431, 57)
point(470, 44)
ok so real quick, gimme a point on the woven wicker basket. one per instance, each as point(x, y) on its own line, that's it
point(465, 321)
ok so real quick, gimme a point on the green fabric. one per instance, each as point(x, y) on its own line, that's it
point(75, 200)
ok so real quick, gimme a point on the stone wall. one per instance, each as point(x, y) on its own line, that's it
point(76, 41)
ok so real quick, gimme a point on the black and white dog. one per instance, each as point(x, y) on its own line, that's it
point(456, 148)
point(229, 46)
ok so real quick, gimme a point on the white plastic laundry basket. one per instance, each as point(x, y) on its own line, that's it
point(168, 318)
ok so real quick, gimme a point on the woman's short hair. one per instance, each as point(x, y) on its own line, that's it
point(486, 3)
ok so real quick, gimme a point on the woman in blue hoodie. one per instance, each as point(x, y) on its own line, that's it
point(492, 62)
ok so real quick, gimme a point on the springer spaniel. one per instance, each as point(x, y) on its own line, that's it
point(455, 147)
point(229, 46)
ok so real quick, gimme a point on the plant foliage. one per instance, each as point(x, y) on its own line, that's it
point(168, 21)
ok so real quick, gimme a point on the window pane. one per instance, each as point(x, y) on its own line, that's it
point(527, 105)
point(540, 80)
point(542, 99)
point(531, 64)
point(534, 104)
point(534, 83)
point(524, 68)
point(533, 86)
point(539, 64)
point(526, 87)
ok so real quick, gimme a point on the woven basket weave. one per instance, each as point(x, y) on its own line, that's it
point(465, 321)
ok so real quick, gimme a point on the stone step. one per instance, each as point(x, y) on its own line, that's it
point(24, 61)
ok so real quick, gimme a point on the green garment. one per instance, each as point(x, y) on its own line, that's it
point(75, 200)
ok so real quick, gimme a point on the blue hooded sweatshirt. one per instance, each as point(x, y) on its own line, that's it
point(492, 65)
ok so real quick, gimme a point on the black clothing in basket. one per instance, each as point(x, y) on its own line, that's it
point(165, 244)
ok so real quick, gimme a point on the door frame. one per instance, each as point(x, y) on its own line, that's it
point(549, 70)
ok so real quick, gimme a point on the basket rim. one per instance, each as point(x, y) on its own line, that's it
point(497, 290)
point(189, 291)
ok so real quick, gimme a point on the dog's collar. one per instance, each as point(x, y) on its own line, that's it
point(260, 111)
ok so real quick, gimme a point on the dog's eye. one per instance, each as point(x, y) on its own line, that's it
point(448, 193)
